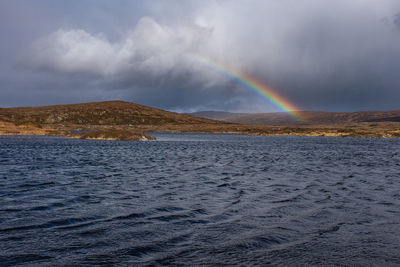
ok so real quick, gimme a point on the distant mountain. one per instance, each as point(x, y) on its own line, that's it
point(306, 117)
point(216, 115)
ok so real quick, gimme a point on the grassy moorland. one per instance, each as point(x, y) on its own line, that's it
point(305, 117)
point(119, 120)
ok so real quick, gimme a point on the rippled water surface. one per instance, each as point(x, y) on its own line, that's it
point(198, 199)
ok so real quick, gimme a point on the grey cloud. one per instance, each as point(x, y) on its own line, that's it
point(150, 55)
point(331, 55)
point(396, 21)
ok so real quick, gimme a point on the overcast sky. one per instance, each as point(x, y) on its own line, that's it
point(334, 55)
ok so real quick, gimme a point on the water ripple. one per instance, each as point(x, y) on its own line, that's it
point(200, 199)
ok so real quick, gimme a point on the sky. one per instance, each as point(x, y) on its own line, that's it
point(332, 55)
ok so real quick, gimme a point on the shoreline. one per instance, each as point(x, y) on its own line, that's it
point(143, 132)
point(119, 120)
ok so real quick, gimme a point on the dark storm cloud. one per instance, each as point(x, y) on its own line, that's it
point(396, 21)
point(330, 55)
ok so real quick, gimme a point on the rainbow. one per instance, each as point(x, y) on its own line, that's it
point(263, 90)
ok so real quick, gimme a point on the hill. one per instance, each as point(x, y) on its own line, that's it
point(97, 113)
point(103, 120)
point(216, 115)
point(119, 120)
point(307, 117)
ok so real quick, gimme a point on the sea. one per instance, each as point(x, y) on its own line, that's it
point(200, 200)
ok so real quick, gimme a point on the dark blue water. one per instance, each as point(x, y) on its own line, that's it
point(192, 199)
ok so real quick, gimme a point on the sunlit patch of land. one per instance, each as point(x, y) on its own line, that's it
point(118, 120)
point(9, 128)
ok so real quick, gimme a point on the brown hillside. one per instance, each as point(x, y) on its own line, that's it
point(97, 113)
point(308, 117)
point(118, 120)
